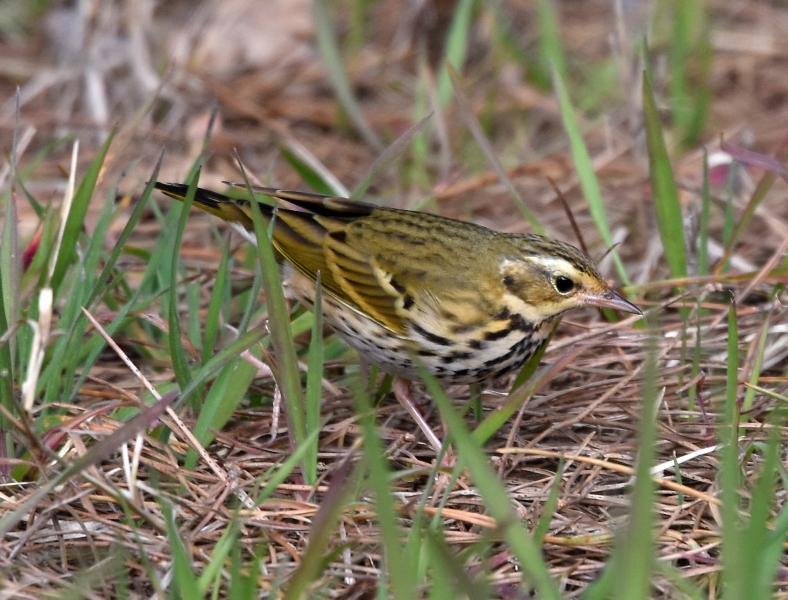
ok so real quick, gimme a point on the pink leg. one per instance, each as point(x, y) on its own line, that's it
point(401, 389)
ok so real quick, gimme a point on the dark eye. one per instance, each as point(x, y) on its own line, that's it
point(564, 285)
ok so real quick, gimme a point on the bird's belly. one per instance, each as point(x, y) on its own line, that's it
point(462, 361)
point(470, 357)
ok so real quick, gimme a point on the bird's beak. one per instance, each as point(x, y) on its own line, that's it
point(609, 299)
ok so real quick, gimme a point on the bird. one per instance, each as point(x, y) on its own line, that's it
point(402, 287)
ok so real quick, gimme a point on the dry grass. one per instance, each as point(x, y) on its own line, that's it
point(106, 524)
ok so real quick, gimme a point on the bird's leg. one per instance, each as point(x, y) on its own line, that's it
point(401, 389)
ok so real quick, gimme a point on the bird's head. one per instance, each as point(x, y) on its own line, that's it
point(549, 277)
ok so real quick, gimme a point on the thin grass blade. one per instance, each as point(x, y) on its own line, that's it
point(213, 316)
point(389, 155)
point(735, 576)
point(76, 216)
point(281, 331)
point(314, 375)
point(313, 175)
point(585, 173)
point(329, 52)
point(344, 480)
point(551, 51)
point(456, 48)
point(400, 570)
point(219, 405)
point(184, 580)
point(637, 548)
point(495, 495)
point(177, 352)
point(481, 139)
point(666, 196)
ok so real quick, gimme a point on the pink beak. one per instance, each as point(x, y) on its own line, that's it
point(609, 299)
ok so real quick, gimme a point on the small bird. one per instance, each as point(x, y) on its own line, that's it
point(471, 304)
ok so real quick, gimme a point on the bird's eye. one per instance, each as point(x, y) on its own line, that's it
point(564, 285)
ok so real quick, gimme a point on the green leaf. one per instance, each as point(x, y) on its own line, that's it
point(184, 579)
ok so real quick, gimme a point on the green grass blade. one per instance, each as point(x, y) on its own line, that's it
point(276, 477)
point(281, 332)
point(343, 481)
point(703, 227)
point(690, 50)
point(244, 582)
point(389, 155)
point(9, 246)
point(76, 216)
point(314, 375)
point(9, 276)
point(637, 549)
point(231, 351)
point(551, 51)
point(456, 48)
point(760, 553)
point(728, 228)
point(531, 365)
point(329, 52)
point(734, 554)
point(220, 403)
point(757, 364)
point(400, 572)
point(222, 549)
point(773, 165)
point(252, 299)
point(450, 576)
point(213, 316)
point(543, 526)
point(184, 579)
point(177, 352)
point(495, 420)
point(314, 174)
point(7, 398)
point(9, 303)
point(99, 287)
point(666, 196)
point(585, 173)
point(774, 548)
point(496, 498)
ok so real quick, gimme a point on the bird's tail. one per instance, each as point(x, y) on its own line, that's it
point(232, 210)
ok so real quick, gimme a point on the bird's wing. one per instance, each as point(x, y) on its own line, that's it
point(322, 240)
point(326, 239)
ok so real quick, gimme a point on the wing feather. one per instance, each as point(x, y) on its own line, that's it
point(328, 238)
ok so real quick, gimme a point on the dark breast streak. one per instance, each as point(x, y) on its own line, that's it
point(471, 356)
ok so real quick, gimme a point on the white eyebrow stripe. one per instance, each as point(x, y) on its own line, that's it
point(551, 263)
